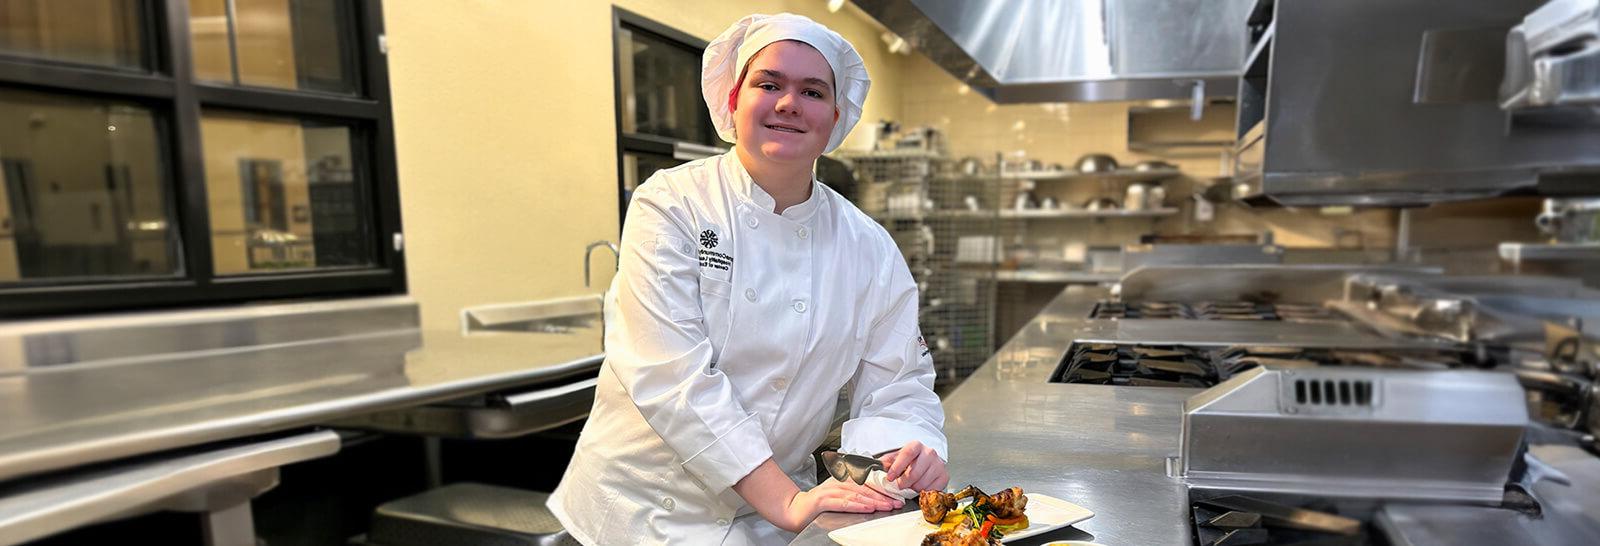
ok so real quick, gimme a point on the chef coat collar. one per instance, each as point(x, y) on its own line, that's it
point(750, 191)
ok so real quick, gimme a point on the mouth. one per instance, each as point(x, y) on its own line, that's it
point(779, 127)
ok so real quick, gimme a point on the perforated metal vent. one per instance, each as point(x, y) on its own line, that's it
point(1333, 392)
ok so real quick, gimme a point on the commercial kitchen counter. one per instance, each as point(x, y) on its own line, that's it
point(1103, 448)
point(1109, 448)
point(205, 378)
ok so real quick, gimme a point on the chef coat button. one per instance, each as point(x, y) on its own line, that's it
point(667, 504)
point(802, 233)
point(722, 522)
point(750, 294)
point(751, 221)
point(780, 383)
point(799, 306)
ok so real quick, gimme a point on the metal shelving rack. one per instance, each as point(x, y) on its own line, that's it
point(951, 246)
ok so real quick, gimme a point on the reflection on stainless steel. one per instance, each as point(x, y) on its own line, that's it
point(1069, 50)
point(1253, 283)
point(129, 337)
point(1567, 511)
point(1359, 432)
point(550, 316)
point(218, 482)
point(1342, 124)
point(1551, 60)
point(1201, 254)
point(468, 513)
point(504, 415)
point(1496, 309)
point(211, 375)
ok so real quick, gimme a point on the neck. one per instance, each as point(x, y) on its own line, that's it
point(788, 184)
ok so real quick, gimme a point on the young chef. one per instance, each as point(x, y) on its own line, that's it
point(748, 296)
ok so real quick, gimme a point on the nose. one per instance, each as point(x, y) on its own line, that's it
point(789, 103)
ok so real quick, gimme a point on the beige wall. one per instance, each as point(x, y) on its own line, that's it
point(1063, 132)
point(504, 128)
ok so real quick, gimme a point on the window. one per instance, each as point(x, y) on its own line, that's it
point(662, 121)
point(152, 156)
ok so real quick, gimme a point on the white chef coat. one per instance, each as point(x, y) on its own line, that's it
point(730, 332)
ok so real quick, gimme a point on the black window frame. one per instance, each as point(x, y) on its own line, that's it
point(641, 142)
point(167, 85)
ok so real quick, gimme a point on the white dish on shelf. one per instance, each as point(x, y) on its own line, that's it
point(1045, 514)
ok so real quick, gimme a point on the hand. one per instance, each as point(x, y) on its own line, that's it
point(916, 467)
point(834, 496)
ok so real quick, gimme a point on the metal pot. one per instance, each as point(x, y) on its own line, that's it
point(969, 166)
point(1147, 166)
point(1097, 163)
point(1571, 220)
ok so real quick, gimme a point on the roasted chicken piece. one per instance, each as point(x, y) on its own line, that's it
point(1007, 504)
point(935, 504)
point(958, 536)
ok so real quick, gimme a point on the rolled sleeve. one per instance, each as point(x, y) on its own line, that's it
point(891, 397)
point(656, 344)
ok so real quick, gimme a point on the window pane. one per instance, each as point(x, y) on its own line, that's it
point(86, 190)
point(637, 167)
point(661, 88)
point(103, 32)
point(283, 194)
point(287, 44)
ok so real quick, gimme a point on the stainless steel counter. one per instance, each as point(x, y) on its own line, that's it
point(1104, 448)
point(206, 378)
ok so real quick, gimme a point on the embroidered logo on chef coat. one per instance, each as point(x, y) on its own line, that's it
point(710, 242)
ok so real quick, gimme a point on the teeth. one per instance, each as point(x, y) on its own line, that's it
point(784, 129)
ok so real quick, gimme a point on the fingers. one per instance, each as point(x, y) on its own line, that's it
point(883, 501)
point(846, 504)
point(849, 497)
point(920, 471)
point(904, 458)
point(935, 478)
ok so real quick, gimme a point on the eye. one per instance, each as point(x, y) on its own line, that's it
point(813, 93)
point(768, 86)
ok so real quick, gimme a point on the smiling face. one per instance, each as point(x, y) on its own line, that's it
point(784, 107)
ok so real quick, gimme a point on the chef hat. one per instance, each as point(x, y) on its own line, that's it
point(725, 60)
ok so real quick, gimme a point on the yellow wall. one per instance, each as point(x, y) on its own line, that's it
point(506, 141)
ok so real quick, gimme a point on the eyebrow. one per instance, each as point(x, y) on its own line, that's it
point(774, 74)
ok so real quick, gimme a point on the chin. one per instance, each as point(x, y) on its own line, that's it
point(789, 153)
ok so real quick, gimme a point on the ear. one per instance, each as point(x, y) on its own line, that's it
point(836, 114)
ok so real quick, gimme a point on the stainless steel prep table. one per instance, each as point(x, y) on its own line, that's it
point(63, 416)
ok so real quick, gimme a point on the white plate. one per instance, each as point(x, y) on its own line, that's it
point(1045, 514)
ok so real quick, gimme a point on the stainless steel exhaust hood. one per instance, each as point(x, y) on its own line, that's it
point(1077, 50)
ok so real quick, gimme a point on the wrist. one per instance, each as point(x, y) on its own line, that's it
point(800, 512)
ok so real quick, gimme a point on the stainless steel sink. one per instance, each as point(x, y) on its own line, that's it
point(552, 316)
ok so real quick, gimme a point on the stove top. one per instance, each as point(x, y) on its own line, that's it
point(1140, 365)
point(1224, 310)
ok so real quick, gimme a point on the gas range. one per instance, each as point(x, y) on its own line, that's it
point(1141, 365)
point(1213, 310)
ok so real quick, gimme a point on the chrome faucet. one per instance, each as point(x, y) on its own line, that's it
point(588, 252)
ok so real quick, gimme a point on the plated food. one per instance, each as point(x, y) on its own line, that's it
point(981, 522)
